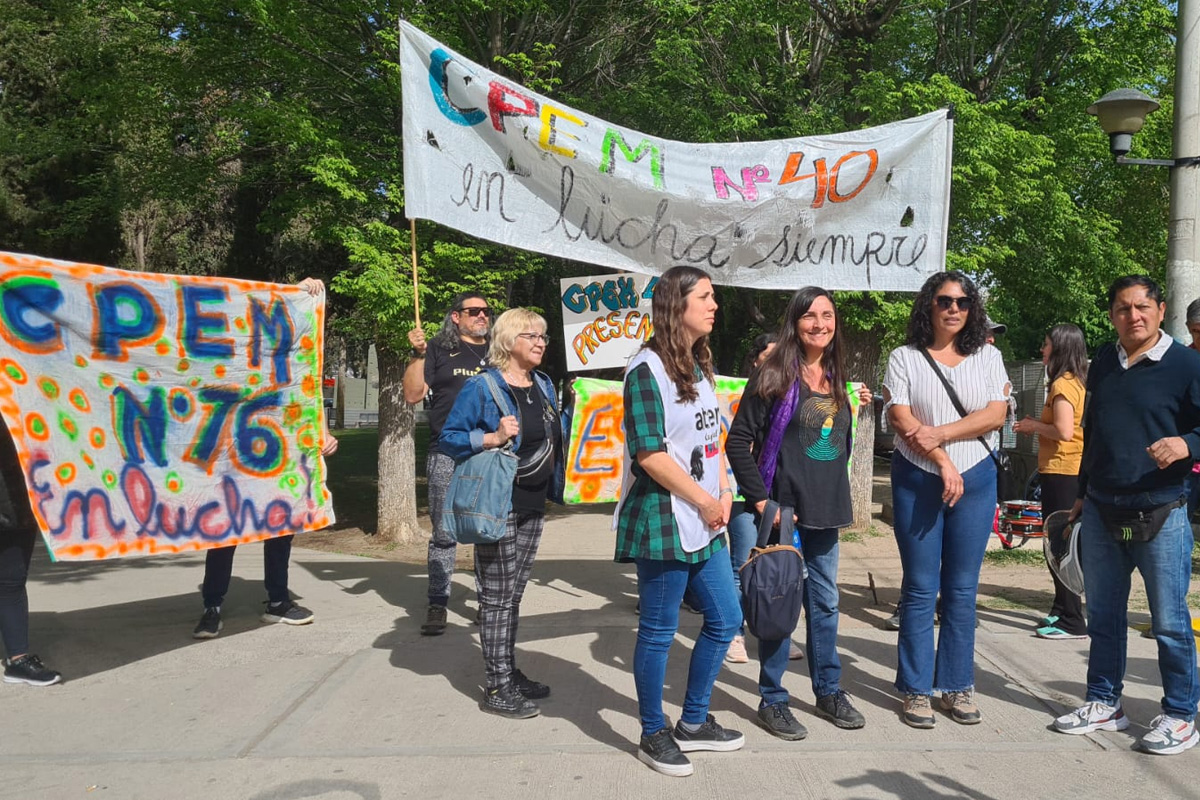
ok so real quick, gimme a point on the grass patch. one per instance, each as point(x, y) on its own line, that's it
point(1022, 556)
point(1005, 603)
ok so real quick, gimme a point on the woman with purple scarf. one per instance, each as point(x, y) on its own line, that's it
point(796, 415)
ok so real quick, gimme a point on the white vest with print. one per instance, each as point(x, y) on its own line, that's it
point(693, 435)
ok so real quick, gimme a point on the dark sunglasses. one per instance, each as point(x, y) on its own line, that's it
point(945, 302)
point(475, 312)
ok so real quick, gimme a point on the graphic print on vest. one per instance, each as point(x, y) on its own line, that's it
point(698, 463)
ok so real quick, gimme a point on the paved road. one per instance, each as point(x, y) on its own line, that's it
point(359, 705)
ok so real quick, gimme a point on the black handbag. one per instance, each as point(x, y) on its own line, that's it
point(1006, 482)
point(772, 579)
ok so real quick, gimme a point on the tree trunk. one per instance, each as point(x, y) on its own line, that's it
point(397, 454)
point(862, 365)
point(339, 399)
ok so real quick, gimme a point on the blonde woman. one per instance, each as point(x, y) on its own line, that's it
point(530, 421)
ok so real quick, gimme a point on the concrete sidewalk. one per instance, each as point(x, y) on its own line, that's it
point(359, 705)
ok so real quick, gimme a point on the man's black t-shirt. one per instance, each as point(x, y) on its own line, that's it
point(445, 373)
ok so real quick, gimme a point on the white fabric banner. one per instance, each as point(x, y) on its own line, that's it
point(864, 209)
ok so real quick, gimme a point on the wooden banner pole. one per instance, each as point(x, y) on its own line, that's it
point(412, 227)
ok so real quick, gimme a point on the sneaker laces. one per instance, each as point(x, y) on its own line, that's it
point(1093, 710)
point(1165, 727)
point(959, 698)
point(918, 702)
point(31, 661)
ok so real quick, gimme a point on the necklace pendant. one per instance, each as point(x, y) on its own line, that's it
point(529, 399)
point(482, 363)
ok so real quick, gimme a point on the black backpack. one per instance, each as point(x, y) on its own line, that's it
point(773, 580)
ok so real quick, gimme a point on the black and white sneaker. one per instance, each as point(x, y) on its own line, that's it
point(529, 688)
point(29, 669)
point(288, 613)
point(506, 701)
point(709, 736)
point(209, 625)
point(661, 753)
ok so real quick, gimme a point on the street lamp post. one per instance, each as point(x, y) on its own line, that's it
point(1122, 113)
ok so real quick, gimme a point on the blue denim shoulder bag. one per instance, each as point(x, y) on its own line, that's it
point(479, 497)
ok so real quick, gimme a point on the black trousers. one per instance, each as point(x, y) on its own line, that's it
point(1058, 494)
point(16, 549)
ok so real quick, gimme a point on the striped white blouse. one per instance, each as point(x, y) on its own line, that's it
point(980, 379)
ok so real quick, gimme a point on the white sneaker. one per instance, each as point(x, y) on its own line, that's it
point(1093, 716)
point(1169, 736)
point(795, 652)
point(737, 651)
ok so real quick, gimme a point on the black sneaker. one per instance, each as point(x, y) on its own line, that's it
point(838, 709)
point(662, 754)
point(892, 623)
point(506, 701)
point(710, 736)
point(288, 613)
point(29, 669)
point(778, 719)
point(435, 621)
point(529, 689)
point(209, 625)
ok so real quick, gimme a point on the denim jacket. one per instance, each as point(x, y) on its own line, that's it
point(475, 413)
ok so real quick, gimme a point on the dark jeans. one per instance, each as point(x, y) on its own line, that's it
point(820, 549)
point(218, 569)
point(16, 549)
point(1058, 494)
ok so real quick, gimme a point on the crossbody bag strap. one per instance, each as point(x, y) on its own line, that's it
point(958, 406)
point(499, 398)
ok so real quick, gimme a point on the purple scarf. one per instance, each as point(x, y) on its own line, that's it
point(781, 416)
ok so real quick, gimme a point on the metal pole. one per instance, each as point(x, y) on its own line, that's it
point(1183, 246)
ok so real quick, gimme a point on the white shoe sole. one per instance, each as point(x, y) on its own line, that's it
point(29, 682)
point(1109, 725)
point(285, 620)
point(689, 746)
point(1179, 748)
point(673, 770)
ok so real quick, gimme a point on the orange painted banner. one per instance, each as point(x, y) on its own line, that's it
point(597, 445)
point(161, 413)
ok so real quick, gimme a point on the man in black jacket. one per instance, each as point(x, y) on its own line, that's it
point(1141, 435)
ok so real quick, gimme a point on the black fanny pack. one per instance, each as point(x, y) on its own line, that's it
point(1136, 524)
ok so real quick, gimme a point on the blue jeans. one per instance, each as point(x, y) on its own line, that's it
point(743, 535)
point(661, 585)
point(1165, 563)
point(941, 548)
point(820, 549)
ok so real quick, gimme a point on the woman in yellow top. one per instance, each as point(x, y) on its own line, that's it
point(1060, 449)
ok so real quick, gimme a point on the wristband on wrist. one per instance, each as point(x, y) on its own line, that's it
point(725, 491)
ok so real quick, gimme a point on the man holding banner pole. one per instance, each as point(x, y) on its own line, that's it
point(440, 368)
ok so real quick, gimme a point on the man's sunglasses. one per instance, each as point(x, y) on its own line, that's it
point(945, 302)
point(476, 311)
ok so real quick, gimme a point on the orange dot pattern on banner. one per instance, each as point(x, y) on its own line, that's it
point(306, 343)
point(96, 437)
point(13, 370)
point(239, 323)
point(80, 400)
point(174, 482)
point(49, 387)
point(307, 437)
point(68, 425)
point(253, 380)
point(219, 370)
point(162, 348)
point(109, 477)
point(87, 459)
point(65, 473)
point(80, 361)
point(36, 427)
point(141, 376)
point(184, 365)
point(308, 386)
point(107, 381)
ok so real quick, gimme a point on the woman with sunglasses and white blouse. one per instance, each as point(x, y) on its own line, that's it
point(943, 489)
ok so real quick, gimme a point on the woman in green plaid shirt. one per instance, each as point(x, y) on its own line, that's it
point(674, 509)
